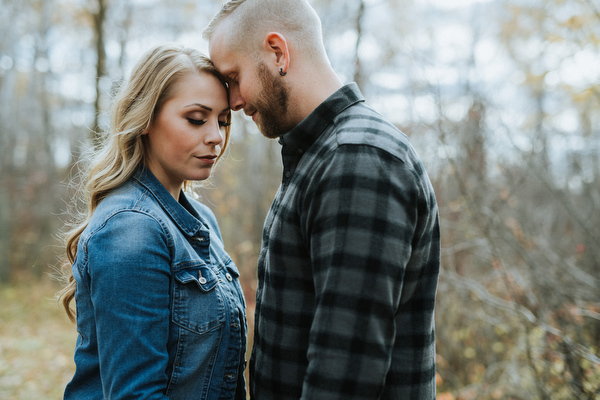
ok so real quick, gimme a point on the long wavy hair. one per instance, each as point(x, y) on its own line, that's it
point(134, 109)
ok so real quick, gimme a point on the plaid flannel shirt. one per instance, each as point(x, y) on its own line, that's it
point(348, 270)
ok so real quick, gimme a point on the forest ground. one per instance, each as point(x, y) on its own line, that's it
point(36, 342)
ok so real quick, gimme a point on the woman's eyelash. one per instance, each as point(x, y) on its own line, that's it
point(202, 122)
point(196, 121)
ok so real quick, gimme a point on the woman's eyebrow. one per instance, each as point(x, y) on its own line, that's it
point(207, 108)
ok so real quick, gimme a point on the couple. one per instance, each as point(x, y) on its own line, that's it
point(350, 255)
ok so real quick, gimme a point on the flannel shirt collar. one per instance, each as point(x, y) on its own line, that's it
point(299, 139)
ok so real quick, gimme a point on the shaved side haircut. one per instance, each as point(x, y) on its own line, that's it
point(250, 20)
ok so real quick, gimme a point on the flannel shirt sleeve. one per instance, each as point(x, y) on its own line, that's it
point(361, 212)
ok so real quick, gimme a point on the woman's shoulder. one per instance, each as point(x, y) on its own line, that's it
point(128, 204)
point(126, 197)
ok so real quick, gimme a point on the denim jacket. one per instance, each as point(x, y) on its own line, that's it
point(160, 310)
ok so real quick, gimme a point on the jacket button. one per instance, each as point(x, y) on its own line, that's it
point(229, 277)
point(230, 376)
point(202, 280)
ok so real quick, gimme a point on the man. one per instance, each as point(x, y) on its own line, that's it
point(348, 270)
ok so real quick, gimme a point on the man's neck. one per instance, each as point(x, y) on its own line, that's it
point(312, 89)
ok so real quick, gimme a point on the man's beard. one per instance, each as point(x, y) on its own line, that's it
point(272, 104)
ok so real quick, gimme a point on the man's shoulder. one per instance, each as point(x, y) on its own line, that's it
point(362, 125)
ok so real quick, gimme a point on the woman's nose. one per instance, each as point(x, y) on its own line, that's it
point(216, 136)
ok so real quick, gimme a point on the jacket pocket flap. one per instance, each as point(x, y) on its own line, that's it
point(232, 269)
point(203, 277)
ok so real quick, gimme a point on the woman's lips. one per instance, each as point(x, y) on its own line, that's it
point(208, 159)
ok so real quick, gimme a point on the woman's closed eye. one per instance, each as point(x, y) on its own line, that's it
point(198, 122)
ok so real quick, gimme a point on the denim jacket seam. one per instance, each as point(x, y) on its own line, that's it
point(149, 213)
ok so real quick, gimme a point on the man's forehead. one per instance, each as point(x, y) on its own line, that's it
point(218, 47)
point(225, 57)
point(223, 60)
point(215, 42)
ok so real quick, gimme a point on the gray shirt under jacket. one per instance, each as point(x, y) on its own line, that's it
point(348, 270)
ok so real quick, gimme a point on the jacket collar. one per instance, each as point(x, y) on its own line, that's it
point(182, 213)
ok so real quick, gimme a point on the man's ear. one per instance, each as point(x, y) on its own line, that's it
point(276, 44)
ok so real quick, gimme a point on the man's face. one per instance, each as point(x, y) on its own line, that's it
point(262, 94)
point(271, 106)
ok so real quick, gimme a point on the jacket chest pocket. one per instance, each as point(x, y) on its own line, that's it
point(198, 303)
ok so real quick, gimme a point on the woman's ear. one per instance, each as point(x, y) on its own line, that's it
point(276, 45)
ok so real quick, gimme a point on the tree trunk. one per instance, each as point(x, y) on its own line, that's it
point(99, 18)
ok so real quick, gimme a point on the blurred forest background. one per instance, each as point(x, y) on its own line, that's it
point(501, 98)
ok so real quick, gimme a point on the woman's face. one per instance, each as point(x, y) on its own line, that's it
point(185, 139)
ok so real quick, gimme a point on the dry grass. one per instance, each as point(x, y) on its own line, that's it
point(36, 342)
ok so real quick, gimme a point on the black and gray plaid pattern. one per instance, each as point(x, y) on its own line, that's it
point(349, 264)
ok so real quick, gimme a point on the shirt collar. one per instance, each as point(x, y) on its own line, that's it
point(182, 212)
point(307, 131)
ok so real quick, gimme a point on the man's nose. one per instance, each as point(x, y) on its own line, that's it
point(236, 102)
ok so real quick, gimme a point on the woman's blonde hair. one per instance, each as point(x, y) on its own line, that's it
point(134, 110)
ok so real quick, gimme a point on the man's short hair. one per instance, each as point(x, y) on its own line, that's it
point(250, 20)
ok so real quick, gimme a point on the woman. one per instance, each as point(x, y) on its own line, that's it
point(160, 311)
